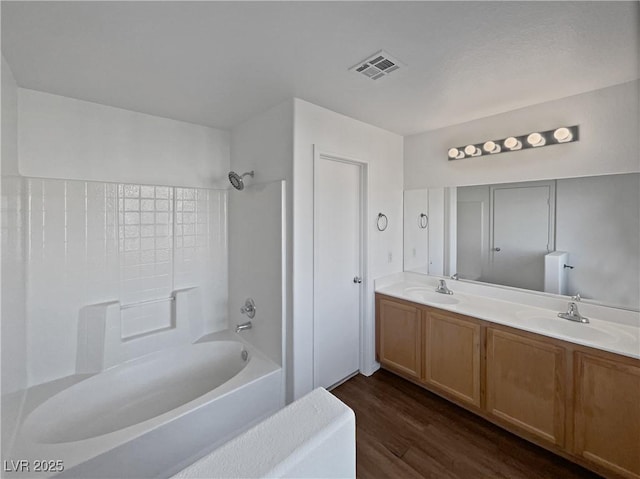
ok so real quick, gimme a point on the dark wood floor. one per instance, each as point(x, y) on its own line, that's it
point(404, 431)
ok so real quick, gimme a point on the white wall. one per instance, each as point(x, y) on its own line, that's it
point(13, 323)
point(119, 237)
point(609, 142)
point(9, 121)
point(13, 326)
point(264, 143)
point(382, 151)
point(416, 239)
point(424, 248)
point(257, 250)
point(62, 137)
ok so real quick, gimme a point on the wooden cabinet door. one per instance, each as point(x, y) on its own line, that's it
point(452, 356)
point(525, 384)
point(400, 330)
point(607, 413)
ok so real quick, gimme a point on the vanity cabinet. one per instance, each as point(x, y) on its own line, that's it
point(452, 355)
point(607, 412)
point(525, 384)
point(399, 337)
point(579, 402)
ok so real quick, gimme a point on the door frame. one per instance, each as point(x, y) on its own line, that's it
point(321, 154)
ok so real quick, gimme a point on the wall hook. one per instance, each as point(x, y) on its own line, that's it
point(382, 222)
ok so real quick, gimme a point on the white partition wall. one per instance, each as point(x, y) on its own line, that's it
point(257, 239)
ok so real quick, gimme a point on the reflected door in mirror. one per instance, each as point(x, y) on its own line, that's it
point(521, 217)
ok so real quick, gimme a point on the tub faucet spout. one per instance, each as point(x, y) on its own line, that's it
point(243, 326)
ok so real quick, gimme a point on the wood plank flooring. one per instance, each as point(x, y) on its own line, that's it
point(404, 431)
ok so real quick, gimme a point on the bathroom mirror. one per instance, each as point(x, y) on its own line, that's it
point(566, 236)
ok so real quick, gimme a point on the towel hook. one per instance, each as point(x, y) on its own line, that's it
point(382, 222)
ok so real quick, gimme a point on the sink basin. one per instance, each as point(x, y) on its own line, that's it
point(430, 296)
point(581, 331)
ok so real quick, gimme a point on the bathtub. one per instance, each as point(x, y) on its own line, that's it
point(149, 417)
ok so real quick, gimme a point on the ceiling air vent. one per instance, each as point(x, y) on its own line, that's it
point(377, 66)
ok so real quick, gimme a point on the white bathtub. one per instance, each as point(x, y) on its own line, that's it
point(152, 416)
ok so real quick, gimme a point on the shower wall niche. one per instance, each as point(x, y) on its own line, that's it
point(86, 242)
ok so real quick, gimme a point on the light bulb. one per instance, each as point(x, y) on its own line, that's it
point(491, 147)
point(471, 150)
point(536, 139)
point(455, 154)
point(562, 135)
point(512, 143)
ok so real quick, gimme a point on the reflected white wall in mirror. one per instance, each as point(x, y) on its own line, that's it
point(505, 231)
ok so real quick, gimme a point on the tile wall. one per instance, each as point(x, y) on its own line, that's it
point(91, 242)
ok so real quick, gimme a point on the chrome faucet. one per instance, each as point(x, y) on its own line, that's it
point(442, 287)
point(243, 326)
point(573, 314)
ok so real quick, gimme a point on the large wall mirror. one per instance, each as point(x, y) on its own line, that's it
point(567, 236)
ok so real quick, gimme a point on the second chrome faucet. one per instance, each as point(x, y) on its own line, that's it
point(573, 314)
point(442, 287)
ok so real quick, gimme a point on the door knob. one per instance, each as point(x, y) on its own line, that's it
point(496, 249)
point(357, 279)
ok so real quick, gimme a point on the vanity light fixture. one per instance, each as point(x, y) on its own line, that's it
point(537, 139)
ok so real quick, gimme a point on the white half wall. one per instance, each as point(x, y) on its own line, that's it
point(311, 438)
point(60, 137)
point(342, 136)
point(609, 142)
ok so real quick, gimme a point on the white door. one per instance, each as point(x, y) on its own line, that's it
point(337, 270)
point(522, 235)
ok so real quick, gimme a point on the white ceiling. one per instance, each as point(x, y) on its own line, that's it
point(219, 63)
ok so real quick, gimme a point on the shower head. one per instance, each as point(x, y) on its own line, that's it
point(237, 180)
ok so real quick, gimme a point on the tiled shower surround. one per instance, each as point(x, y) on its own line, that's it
point(91, 242)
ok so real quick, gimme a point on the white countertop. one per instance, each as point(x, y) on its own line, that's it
point(609, 329)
